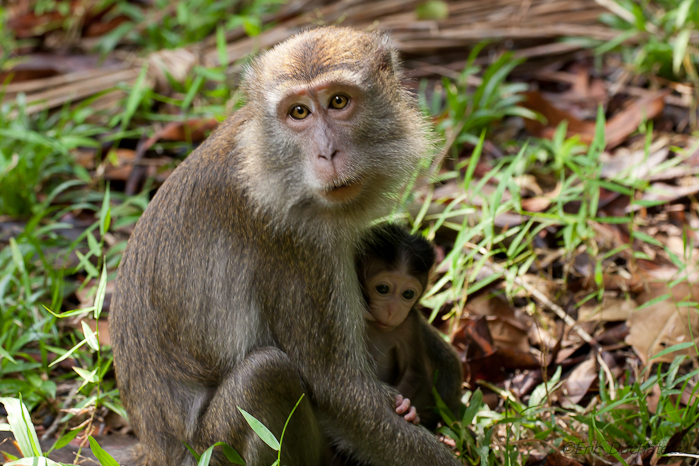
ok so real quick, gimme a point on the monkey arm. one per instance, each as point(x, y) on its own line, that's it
point(442, 358)
point(355, 410)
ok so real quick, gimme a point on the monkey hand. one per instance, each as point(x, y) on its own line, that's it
point(404, 409)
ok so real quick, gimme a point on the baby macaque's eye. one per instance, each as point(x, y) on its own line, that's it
point(409, 294)
point(382, 289)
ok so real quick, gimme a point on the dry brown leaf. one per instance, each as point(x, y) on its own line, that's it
point(99, 28)
point(653, 398)
point(124, 167)
point(506, 335)
point(613, 336)
point(689, 395)
point(486, 305)
point(30, 24)
point(621, 125)
point(506, 329)
point(85, 158)
point(610, 310)
point(554, 116)
point(617, 129)
point(579, 381)
point(556, 459)
point(528, 182)
point(536, 204)
point(541, 203)
point(665, 192)
point(662, 325)
point(635, 165)
point(192, 130)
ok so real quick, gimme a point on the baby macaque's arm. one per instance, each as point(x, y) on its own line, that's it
point(408, 412)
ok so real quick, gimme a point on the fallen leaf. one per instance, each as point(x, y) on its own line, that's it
point(664, 193)
point(635, 165)
point(195, 130)
point(662, 325)
point(507, 335)
point(610, 310)
point(617, 128)
point(541, 203)
point(653, 398)
point(556, 459)
point(579, 381)
point(621, 125)
point(613, 336)
point(100, 28)
point(554, 116)
point(123, 168)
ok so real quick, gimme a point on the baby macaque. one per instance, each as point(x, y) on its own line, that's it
point(393, 270)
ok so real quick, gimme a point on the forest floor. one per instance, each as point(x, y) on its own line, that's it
point(563, 202)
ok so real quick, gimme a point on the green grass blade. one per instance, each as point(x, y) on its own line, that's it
point(25, 434)
point(101, 292)
point(673, 348)
point(104, 458)
point(281, 438)
point(680, 49)
point(262, 431)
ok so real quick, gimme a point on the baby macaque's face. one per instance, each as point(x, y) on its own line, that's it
point(391, 293)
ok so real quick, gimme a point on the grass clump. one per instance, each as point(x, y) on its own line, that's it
point(178, 27)
point(494, 243)
point(663, 30)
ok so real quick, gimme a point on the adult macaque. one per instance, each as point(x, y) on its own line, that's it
point(393, 271)
point(238, 286)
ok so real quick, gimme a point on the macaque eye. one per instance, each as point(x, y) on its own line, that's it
point(299, 112)
point(339, 101)
point(409, 294)
point(382, 289)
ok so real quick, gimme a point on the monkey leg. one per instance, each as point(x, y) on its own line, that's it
point(267, 385)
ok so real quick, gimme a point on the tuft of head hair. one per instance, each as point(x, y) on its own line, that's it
point(396, 248)
point(320, 54)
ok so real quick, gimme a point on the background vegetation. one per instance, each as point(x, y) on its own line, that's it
point(563, 205)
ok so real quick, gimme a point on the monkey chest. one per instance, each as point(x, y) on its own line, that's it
point(388, 357)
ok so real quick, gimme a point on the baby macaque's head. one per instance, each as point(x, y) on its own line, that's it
point(393, 270)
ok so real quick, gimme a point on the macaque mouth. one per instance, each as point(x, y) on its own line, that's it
point(343, 190)
point(381, 325)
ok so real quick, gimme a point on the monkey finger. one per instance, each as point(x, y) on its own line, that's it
point(412, 416)
point(404, 407)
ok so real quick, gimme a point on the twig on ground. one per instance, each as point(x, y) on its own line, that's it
point(57, 422)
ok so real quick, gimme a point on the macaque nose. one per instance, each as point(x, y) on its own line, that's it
point(327, 157)
point(329, 163)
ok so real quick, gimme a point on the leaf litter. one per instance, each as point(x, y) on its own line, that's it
point(623, 294)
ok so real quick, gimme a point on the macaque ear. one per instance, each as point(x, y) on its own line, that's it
point(387, 62)
point(387, 57)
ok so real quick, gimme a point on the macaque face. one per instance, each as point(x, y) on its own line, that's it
point(320, 121)
point(391, 295)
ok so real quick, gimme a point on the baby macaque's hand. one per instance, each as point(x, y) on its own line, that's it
point(408, 412)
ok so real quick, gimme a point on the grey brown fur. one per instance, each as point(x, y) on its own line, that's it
point(238, 285)
point(413, 357)
point(408, 358)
